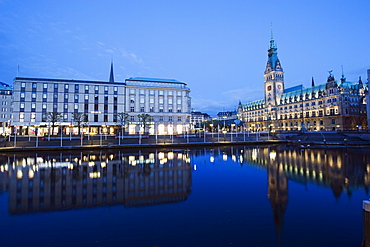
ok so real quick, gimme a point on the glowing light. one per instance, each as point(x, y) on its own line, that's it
point(233, 157)
point(272, 155)
point(30, 174)
point(19, 174)
point(160, 155)
point(91, 163)
point(195, 167)
point(212, 159)
point(94, 175)
point(151, 156)
point(131, 158)
point(254, 154)
point(224, 157)
point(103, 165)
point(170, 155)
point(179, 156)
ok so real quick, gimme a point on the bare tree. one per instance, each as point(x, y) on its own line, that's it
point(145, 119)
point(79, 118)
point(53, 118)
point(122, 119)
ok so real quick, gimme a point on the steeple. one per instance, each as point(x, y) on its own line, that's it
point(111, 76)
point(313, 82)
point(342, 79)
point(273, 77)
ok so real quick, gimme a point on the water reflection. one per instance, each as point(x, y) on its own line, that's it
point(45, 183)
point(58, 181)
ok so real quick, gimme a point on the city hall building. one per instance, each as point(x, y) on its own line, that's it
point(167, 101)
point(334, 105)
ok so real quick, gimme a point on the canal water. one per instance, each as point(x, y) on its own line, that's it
point(213, 196)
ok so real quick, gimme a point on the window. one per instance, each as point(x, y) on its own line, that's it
point(132, 118)
point(33, 95)
point(96, 118)
point(132, 91)
point(86, 97)
point(22, 95)
point(151, 92)
point(115, 88)
point(86, 88)
point(151, 100)
point(170, 93)
point(23, 84)
point(34, 85)
point(66, 96)
point(142, 91)
point(33, 117)
point(170, 101)
point(161, 118)
point(161, 100)
point(66, 86)
point(160, 92)
point(161, 109)
point(333, 121)
point(56, 86)
point(142, 109)
point(21, 117)
point(179, 101)
point(179, 119)
point(142, 100)
point(43, 105)
point(132, 109)
point(170, 118)
point(151, 109)
point(45, 86)
point(178, 93)
point(105, 89)
point(66, 106)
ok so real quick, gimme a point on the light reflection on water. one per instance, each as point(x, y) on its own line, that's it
point(241, 196)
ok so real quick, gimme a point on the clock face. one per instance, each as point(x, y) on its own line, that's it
point(268, 88)
point(279, 86)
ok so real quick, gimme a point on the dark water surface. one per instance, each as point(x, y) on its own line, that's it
point(232, 196)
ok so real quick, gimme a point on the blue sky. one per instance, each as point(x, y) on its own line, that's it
point(219, 48)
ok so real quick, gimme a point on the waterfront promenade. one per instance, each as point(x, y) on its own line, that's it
point(305, 140)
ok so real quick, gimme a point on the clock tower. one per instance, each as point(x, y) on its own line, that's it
point(273, 78)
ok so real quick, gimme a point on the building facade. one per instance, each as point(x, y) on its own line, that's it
point(166, 101)
point(198, 117)
point(6, 92)
point(334, 105)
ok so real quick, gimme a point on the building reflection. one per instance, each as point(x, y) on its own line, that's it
point(341, 170)
point(47, 183)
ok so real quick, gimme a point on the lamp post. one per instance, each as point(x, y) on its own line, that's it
point(37, 135)
point(61, 135)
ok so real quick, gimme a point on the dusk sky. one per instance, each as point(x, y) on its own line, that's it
point(219, 48)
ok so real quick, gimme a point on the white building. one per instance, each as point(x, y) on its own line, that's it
point(167, 101)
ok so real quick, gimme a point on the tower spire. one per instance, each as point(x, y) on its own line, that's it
point(111, 76)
